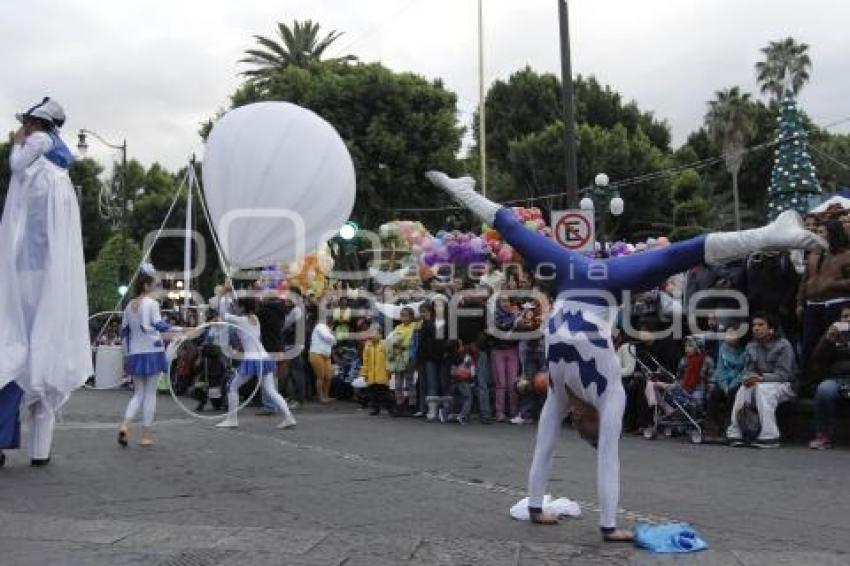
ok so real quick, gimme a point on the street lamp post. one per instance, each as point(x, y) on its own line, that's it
point(82, 147)
point(597, 193)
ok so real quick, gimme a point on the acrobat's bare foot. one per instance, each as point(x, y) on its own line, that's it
point(541, 518)
point(619, 535)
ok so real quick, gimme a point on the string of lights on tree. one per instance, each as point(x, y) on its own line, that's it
point(793, 182)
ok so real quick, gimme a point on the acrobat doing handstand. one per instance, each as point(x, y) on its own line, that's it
point(584, 372)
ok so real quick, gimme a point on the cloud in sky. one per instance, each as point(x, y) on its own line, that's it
point(153, 71)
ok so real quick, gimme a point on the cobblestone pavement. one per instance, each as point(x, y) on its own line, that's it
point(346, 488)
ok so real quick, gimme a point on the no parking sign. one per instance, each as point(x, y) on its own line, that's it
point(574, 229)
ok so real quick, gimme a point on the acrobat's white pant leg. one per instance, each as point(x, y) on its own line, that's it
point(149, 400)
point(274, 395)
point(144, 398)
point(555, 410)
point(612, 406)
point(42, 421)
point(233, 394)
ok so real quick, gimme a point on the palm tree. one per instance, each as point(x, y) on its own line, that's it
point(786, 65)
point(298, 46)
point(730, 122)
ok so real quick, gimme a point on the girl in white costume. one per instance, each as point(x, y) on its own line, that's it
point(44, 339)
point(146, 361)
point(256, 363)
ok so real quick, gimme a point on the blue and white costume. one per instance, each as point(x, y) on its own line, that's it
point(579, 350)
point(146, 361)
point(256, 362)
point(44, 338)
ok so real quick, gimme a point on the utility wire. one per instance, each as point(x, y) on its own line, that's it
point(648, 177)
point(377, 27)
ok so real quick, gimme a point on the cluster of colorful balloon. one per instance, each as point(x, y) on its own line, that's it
point(458, 248)
point(624, 248)
point(405, 234)
point(308, 273)
point(532, 218)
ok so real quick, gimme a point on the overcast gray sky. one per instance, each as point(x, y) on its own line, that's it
point(153, 70)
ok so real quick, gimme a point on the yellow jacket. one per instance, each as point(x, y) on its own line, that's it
point(374, 369)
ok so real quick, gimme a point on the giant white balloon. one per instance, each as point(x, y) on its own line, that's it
point(278, 181)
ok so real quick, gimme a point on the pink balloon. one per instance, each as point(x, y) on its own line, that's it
point(505, 255)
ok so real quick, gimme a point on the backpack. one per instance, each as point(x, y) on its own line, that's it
point(749, 422)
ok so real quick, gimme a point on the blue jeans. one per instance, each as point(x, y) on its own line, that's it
point(464, 391)
point(438, 383)
point(827, 397)
point(482, 383)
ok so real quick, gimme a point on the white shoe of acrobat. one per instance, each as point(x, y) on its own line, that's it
point(784, 233)
point(229, 422)
point(288, 422)
point(463, 191)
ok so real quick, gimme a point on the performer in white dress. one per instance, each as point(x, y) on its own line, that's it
point(256, 362)
point(44, 336)
point(146, 360)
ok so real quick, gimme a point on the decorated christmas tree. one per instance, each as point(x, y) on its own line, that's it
point(792, 181)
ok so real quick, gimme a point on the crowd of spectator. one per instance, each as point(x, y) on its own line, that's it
point(408, 351)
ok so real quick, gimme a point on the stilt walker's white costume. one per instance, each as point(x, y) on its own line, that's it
point(256, 363)
point(44, 336)
point(579, 350)
point(146, 361)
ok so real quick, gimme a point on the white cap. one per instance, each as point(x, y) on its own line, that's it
point(48, 110)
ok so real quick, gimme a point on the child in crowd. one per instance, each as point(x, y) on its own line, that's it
point(375, 374)
point(400, 358)
point(728, 374)
point(693, 375)
point(695, 368)
point(462, 370)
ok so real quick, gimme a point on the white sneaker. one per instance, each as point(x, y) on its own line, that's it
point(288, 422)
point(228, 422)
point(517, 420)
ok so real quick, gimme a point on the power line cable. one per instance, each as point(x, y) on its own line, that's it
point(377, 27)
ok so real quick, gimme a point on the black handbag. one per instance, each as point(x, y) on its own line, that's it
point(748, 421)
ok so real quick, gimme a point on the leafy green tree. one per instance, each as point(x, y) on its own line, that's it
point(538, 158)
point(730, 124)
point(298, 46)
point(113, 267)
point(690, 211)
point(396, 127)
point(832, 158)
point(85, 175)
point(786, 65)
point(524, 119)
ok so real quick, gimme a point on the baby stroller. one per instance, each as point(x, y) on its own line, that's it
point(214, 368)
point(685, 412)
point(346, 370)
